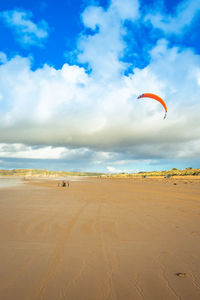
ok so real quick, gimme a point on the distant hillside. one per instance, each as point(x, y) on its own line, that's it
point(44, 173)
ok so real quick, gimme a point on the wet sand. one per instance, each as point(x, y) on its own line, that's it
point(101, 239)
point(9, 181)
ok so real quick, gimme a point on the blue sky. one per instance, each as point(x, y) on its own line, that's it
point(71, 72)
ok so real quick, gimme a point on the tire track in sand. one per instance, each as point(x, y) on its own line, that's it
point(110, 292)
point(94, 226)
point(107, 289)
point(51, 269)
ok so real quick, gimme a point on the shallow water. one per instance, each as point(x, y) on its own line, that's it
point(9, 182)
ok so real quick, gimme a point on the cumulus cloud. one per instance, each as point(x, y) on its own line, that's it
point(103, 50)
point(115, 170)
point(70, 108)
point(181, 19)
point(95, 117)
point(26, 31)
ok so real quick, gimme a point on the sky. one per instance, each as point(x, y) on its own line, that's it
point(70, 75)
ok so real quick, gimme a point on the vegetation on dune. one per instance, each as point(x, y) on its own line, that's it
point(169, 173)
point(142, 174)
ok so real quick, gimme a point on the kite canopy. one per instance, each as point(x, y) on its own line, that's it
point(155, 97)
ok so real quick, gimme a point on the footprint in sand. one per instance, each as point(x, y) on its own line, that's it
point(182, 275)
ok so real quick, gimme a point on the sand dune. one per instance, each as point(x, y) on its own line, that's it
point(101, 239)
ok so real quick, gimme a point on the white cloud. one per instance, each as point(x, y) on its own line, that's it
point(176, 23)
point(27, 32)
point(116, 171)
point(19, 150)
point(22, 151)
point(113, 170)
point(104, 49)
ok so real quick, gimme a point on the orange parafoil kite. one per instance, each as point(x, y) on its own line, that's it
point(153, 96)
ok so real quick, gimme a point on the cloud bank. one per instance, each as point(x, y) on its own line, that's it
point(94, 117)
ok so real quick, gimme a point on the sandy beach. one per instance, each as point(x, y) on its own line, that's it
point(101, 239)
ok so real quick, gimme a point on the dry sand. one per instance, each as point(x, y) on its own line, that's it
point(101, 239)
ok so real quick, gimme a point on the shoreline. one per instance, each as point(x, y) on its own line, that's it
point(10, 182)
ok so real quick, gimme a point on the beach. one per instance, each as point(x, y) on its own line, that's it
point(99, 238)
point(9, 182)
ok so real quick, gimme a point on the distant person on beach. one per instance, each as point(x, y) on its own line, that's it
point(63, 183)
